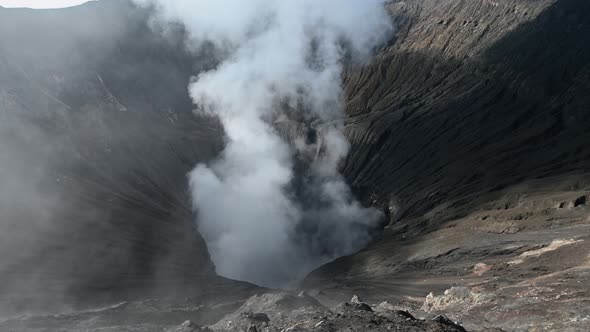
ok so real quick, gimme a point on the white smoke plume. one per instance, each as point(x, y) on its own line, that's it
point(273, 206)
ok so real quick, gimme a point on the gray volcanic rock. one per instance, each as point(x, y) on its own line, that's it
point(471, 96)
point(285, 312)
point(189, 326)
point(272, 312)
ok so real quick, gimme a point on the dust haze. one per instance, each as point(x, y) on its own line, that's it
point(273, 206)
point(94, 201)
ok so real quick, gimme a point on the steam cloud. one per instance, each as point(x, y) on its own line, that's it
point(273, 206)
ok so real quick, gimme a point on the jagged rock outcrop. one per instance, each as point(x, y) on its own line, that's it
point(285, 312)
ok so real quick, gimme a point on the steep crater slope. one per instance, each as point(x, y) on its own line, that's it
point(472, 95)
point(471, 130)
point(96, 139)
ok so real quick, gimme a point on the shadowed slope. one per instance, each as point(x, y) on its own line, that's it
point(473, 95)
point(97, 137)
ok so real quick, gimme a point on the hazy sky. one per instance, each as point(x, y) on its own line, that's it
point(41, 3)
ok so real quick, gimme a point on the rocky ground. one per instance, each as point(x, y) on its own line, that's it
point(267, 312)
point(516, 259)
